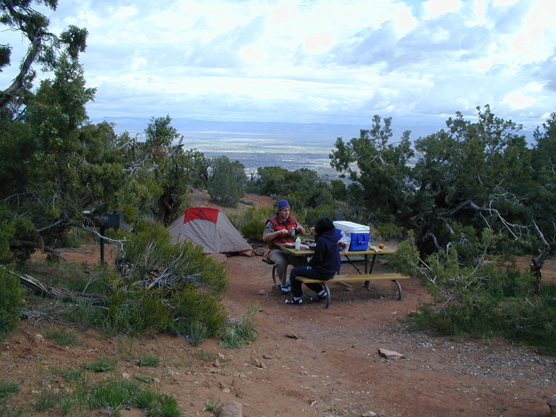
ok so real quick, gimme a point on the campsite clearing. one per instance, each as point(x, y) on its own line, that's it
point(308, 360)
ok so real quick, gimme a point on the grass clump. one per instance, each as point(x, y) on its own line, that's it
point(213, 406)
point(204, 355)
point(150, 360)
point(240, 332)
point(7, 389)
point(113, 394)
point(102, 364)
point(63, 337)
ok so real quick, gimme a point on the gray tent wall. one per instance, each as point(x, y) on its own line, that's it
point(211, 229)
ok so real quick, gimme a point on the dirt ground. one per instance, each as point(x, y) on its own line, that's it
point(311, 361)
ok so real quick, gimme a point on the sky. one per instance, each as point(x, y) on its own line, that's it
point(316, 61)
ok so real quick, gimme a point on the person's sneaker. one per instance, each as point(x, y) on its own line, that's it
point(319, 297)
point(285, 289)
point(294, 300)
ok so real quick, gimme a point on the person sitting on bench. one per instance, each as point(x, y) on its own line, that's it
point(323, 265)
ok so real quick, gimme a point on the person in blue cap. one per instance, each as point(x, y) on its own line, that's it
point(283, 228)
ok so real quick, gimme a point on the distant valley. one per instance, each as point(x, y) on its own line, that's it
point(256, 144)
point(289, 146)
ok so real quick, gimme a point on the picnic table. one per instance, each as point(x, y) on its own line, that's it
point(359, 277)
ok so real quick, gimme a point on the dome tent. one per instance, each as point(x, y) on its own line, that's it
point(211, 229)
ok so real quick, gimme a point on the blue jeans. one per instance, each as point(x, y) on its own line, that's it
point(307, 272)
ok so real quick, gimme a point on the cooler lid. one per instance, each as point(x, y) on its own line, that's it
point(351, 227)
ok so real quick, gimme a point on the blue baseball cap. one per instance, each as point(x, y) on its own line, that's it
point(282, 204)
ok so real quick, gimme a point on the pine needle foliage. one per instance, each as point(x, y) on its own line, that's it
point(479, 291)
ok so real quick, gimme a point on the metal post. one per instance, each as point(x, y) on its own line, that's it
point(102, 244)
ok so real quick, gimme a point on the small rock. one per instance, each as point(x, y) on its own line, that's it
point(216, 363)
point(267, 357)
point(552, 404)
point(292, 336)
point(262, 292)
point(231, 409)
point(369, 414)
point(389, 354)
point(125, 375)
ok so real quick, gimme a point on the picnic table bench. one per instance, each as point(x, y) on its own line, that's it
point(366, 277)
point(382, 276)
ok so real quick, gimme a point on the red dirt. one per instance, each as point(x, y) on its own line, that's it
point(312, 361)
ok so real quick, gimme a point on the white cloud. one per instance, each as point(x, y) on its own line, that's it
point(316, 61)
point(435, 8)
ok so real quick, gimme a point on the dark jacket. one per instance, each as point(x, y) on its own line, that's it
point(326, 260)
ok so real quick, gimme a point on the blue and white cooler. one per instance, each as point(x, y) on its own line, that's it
point(357, 234)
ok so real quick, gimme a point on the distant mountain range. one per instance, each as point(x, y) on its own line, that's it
point(185, 126)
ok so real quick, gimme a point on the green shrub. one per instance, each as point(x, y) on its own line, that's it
point(11, 301)
point(389, 231)
point(170, 287)
point(483, 299)
point(251, 222)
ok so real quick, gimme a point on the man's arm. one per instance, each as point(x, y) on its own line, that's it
point(270, 234)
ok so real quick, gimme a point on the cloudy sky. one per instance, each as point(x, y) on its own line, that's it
point(318, 61)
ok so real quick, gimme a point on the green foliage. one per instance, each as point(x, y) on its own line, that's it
point(169, 172)
point(309, 196)
point(198, 315)
point(148, 360)
point(213, 406)
point(240, 332)
point(64, 337)
point(478, 174)
point(479, 292)
point(204, 355)
point(8, 389)
point(389, 231)
point(251, 222)
point(11, 301)
point(169, 287)
point(542, 161)
point(101, 364)
point(227, 181)
point(378, 169)
point(44, 47)
point(112, 394)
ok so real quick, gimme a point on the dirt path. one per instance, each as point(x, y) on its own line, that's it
point(311, 361)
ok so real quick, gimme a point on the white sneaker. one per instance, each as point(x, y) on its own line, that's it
point(286, 289)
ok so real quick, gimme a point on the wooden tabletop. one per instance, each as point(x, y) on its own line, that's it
point(387, 250)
